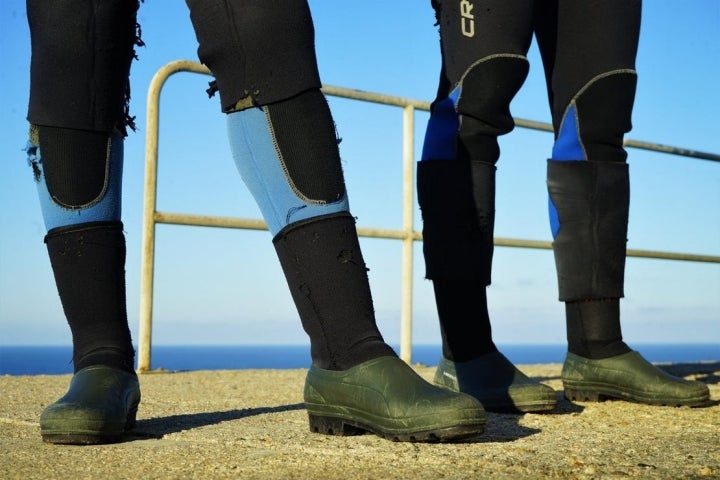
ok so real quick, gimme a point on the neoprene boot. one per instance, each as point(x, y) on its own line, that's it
point(88, 262)
point(356, 382)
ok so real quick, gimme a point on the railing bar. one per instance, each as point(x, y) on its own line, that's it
point(396, 101)
point(684, 152)
point(393, 234)
point(687, 257)
point(209, 220)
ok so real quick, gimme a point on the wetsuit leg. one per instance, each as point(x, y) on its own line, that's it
point(284, 144)
point(81, 55)
point(483, 46)
point(589, 50)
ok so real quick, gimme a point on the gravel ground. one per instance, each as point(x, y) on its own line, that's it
point(251, 424)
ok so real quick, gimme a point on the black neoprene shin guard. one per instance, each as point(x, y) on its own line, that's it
point(592, 202)
point(457, 200)
point(457, 229)
point(88, 261)
point(327, 276)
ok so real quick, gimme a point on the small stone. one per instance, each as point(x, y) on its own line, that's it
point(705, 471)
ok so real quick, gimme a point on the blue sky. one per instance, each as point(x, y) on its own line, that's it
point(226, 286)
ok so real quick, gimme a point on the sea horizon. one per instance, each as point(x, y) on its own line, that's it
point(57, 359)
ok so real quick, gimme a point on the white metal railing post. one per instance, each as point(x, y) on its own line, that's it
point(147, 267)
point(148, 226)
point(408, 201)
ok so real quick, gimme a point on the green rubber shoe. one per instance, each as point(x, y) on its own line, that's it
point(497, 383)
point(386, 397)
point(99, 407)
point(628, 377)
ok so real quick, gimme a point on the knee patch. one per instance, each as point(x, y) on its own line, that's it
point(287, 154)
point(594, 123)
point(78, 173)
point(467, 123)
point(487, 89)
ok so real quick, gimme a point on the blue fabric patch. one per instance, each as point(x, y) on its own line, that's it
point(567, 147)
point(440, 136)
point(260, 167)
point(554, 218)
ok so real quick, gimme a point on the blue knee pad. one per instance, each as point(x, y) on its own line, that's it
point(441, 133)
point(264, 171)
point(105, 206)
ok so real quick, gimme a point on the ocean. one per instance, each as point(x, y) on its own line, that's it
point(57, 360)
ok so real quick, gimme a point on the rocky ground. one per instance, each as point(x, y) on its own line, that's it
point(252, 424)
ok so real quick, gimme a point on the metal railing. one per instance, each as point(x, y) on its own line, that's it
point(407, 234)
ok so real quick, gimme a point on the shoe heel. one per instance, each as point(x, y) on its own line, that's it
point(582, 395)
point(131, 418)
point(332, 426)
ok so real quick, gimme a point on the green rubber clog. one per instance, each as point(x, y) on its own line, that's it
point(496, 383)
point(99, 407)
point(385, 396)
point(628, 377)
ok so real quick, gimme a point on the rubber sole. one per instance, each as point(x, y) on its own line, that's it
point(346, 427)
point(89, 436)
point(519, 407)
point(599, 394)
